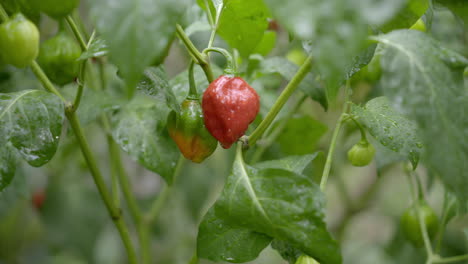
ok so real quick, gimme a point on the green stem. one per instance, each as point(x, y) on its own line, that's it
point(361, 129)
point(231, 67)
point(3, 14)
point(76, 32)
point(194, 259)
point(284, 96)
point(164, 194)
point(199, 58)
point(84, 47)
point(193, 93)
point(450, 259)
point(276, 132)
point(45, 81)
point(113, 211)
point(114, 168)
point(422, 224)
point(331, 151)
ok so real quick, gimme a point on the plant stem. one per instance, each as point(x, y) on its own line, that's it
point(114, 212)
point(164, 193)
point(199, 57)
point(422, 224)
point(231, 67)
point(276, 132)
point(45, 81)
point(326, 169)
point(284, 96)
point(76, 32)
point(450, 259)
point(193, 93)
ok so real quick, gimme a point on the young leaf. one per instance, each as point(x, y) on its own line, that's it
point(242, 24)
point(98, 48)
point(219, 241)
point(287, 70)
point(281, 204)
point(425, 81)
point(137, 31)
point(390, 128)
point(31, 120)
point(155, 83)
point(140, 130)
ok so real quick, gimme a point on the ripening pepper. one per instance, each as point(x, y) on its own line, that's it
point(188, 131)
point(229, 106)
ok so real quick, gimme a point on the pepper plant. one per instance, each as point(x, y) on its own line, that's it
point(342, 131)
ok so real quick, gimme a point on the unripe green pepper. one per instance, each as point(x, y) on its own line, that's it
point(361, 154)
point(410, 223)
point(304, 259)
point(187, 127)
point(189, 132)
point(58, 58)
point(19, 41)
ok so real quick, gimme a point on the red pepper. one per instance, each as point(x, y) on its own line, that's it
point(229, 106)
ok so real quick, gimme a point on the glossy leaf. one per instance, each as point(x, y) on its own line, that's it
point(295, 164)
point(8, 162)
point(137, 31)
point(310, 130)
point(242, 24)
point(140, 130)
point(281, 204)
point(287, 70)
point(425, 81)
point(408, 14)
point(390, 128)
point(219, 241)
point(31, 121)
point(155, 83)
point(98, 48)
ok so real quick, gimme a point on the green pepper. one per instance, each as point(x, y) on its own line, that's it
point(187, 127)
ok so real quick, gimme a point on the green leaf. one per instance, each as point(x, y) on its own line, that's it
point(98, 48)
point(242, 24)
point(155, 83)
point(219, 241)
point(287, 252)
point(390, 128)
point(458, 7)
point(281, 204)
point(8, 162)
point(295, 164)
point(31, 121)
point(425, 82)
point(287, 70)
point(267, 43)
point(140, 130)
point(138, 32)
point(310, 130)
point(409, 13)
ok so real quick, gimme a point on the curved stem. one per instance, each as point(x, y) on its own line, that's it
point(199, 58)
point(361, 129)
point(284, 96)
point(76, 32)
point(193, 93)
point(37, 70)
point(331, 151)
point(114, 212)
point(231, 67)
